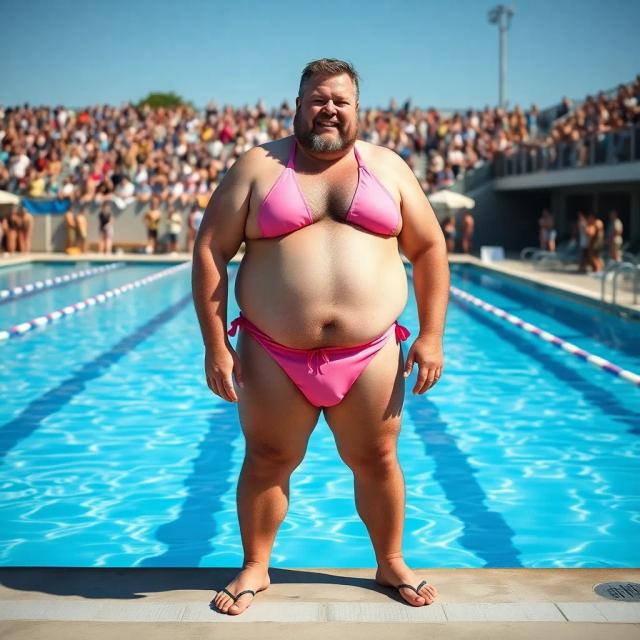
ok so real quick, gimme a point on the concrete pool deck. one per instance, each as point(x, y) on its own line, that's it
point(94, 603)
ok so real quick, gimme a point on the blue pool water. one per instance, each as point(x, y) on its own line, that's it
point(115, 453)
point(21, 274)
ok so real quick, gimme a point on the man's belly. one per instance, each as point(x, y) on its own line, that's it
point(328, 284)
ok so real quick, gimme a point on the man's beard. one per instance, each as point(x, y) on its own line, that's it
point(318, 142)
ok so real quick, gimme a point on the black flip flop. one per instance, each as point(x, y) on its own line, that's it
point(235, 598)
point(416, 589)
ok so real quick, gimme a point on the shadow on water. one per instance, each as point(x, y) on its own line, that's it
point(485, 532)
point(38, 410)
point(189, 536)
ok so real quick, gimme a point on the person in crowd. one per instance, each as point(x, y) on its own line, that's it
point(25, 230)
point(12, 226)
point(547, 236)
point(105, 223)
point(467, 232)
point(71, 228)
point(614, 236)
point(3, 236)
point(595, 233)
point(583, 241)
point(82, 229)
point(449, 230)
point(152, 221)
point(174, 224)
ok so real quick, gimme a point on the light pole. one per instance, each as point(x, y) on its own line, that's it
point(501, 15)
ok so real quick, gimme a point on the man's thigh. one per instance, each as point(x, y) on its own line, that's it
point(368, 418)
point(274, 414)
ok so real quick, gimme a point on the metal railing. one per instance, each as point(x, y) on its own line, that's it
point(617, 268)
point(606, 148)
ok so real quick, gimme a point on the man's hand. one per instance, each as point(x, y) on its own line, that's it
point(219, 367)
point(426, 351)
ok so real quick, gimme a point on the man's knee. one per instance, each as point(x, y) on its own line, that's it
point(378, 461)
point(267, 459)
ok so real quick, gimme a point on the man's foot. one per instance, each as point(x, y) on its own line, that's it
point(393, 572)
point(254, 577)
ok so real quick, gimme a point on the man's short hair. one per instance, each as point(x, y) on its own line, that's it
point(329, 67)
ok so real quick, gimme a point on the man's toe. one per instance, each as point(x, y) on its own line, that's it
point(428, 592)
point(412, 597)
point(221, 602)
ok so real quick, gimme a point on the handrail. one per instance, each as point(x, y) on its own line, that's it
point(596, 149)
point(627, 266)
point(610, 268)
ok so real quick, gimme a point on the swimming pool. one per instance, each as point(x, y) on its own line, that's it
point(116, 454)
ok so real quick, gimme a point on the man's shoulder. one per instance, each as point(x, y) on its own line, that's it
point(379, 153)
point(253, 161)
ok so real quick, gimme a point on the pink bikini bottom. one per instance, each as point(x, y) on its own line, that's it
point(323, 375)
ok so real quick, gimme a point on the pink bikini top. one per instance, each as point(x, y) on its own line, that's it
point(284, 209)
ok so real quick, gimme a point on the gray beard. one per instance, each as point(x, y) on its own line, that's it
point(317, 142)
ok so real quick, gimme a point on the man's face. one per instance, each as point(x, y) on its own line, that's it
point(326, 118)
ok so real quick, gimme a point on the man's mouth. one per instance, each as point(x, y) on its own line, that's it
point(327, 124)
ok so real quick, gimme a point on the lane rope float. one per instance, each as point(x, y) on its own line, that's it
point(599, 362)
point(14, 292)
point(24, 327)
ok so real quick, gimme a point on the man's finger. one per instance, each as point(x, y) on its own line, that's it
point(214, 386)
point(431, 378)
point(422, 377)
point(229, 390)
point(429, 382)
point(408, 365)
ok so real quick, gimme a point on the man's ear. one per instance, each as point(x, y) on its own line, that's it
point(297, 102)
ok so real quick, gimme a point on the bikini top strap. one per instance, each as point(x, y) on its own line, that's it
point(358, 158)
point(292, 155)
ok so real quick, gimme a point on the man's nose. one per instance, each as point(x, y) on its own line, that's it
point(329, 106)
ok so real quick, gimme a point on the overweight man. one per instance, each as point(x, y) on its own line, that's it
point(320, 289)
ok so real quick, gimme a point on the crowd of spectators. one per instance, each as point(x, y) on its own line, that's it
point(178, 155)
point(128, 152)
point(579, 130)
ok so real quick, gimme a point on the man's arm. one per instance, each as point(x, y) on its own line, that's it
point(218, 240)
point(422, 242)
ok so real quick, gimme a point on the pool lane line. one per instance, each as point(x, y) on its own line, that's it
point(610, 367)
point(14, 292)
point(24, 327)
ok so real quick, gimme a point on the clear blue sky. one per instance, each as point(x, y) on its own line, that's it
point(441, 53)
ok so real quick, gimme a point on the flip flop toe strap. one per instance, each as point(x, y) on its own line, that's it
point(235, 598)
point(416, 589)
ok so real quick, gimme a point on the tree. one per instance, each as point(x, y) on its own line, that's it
point(159, 99)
